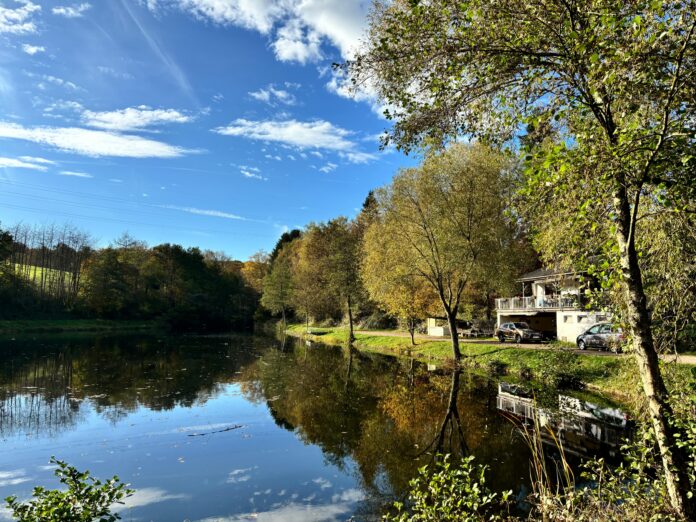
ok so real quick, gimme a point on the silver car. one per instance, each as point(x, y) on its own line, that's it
point(602, 336)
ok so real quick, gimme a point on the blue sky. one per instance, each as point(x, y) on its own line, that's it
point(211, 123)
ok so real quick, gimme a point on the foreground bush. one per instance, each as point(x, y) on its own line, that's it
point(86, 499)
point(450, 492)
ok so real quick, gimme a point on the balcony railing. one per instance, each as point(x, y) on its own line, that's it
point(549, 302)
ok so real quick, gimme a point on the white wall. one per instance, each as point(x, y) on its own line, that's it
point(570, 324)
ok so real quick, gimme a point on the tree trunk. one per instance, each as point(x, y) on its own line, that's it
point(412, 331)
point(452, 321)
point(285, 324)
point(674, 461)
point(351, 336)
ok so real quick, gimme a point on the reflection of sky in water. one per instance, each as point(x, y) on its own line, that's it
point(257, 471)
point(187, 422)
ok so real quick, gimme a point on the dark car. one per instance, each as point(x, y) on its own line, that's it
point(602, 336)
point(519, 332)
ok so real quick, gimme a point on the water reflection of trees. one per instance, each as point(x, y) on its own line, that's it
point(44, 384)
point(385, 416)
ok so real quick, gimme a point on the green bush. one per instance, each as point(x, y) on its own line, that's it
point(450, 493)
point(85, 500)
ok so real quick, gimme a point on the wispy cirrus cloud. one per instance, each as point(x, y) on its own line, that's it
point(71, 11)
point(21, 163)
point(75, 174)
point(205, 212)
point(133, 118)
point(18, 20)
point(89, 142)
point(316, 134)
point(34, 159)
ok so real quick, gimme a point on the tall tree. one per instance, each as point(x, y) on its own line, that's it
point(334, 249)
point(440, 222)
point(401, 294)
point(278, 285)
point(618, 80)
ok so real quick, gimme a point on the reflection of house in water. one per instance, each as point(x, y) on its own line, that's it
point(583, 428)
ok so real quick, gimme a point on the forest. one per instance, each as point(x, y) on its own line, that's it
point(55, 272)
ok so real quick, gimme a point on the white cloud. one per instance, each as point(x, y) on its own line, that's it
point(52, 79)
point(34, 159)
point(317, 134)
point(328, 168)
point(251, 173)
point(250, 14)
point(18, 20)
point(110, 71)
point(299, 25)
point(33, 49)
point(20, 163)
point(358, 157)
point(296, 43)
point(75, 174)
point(90, 142)
point(341, 86)
point(205, 212)
point(273, 96)
point(133, 118)
point(71, 11)
point(309, 134)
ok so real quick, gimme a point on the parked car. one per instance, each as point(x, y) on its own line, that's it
point(519, 332)
point(602, 336)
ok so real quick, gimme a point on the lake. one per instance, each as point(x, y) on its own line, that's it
point(248, 427)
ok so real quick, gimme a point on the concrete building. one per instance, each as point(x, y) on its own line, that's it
point(551, 302)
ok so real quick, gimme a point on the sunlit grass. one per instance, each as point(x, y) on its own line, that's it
point(607, 374)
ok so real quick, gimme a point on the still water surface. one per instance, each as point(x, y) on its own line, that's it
point(244, 427)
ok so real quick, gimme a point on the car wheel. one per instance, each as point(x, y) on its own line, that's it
point(501, 338)
point(518, 339)
point(581, 345)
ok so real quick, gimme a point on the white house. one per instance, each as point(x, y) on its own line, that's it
point(551, 302)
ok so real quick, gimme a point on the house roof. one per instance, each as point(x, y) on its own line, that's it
point(543, 273)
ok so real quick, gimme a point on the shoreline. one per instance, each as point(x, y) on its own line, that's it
point(22, 326)
point(613, 376)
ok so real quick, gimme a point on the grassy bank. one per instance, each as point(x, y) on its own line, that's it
point(614, 376)
point(71, 325)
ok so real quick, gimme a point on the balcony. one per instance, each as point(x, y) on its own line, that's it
point(547, 303)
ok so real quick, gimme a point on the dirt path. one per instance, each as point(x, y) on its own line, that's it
point(683, 359)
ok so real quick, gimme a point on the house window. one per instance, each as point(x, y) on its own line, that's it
point(582, 319)
point(567, 318)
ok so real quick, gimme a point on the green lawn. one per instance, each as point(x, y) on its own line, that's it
point(615, 376)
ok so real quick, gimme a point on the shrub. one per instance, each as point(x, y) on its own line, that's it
point(86, 499)
point(450, 493)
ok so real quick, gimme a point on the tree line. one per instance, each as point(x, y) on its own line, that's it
point(439, 240)
point(51, 271)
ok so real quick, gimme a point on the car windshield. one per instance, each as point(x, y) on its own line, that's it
point(520, 325)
